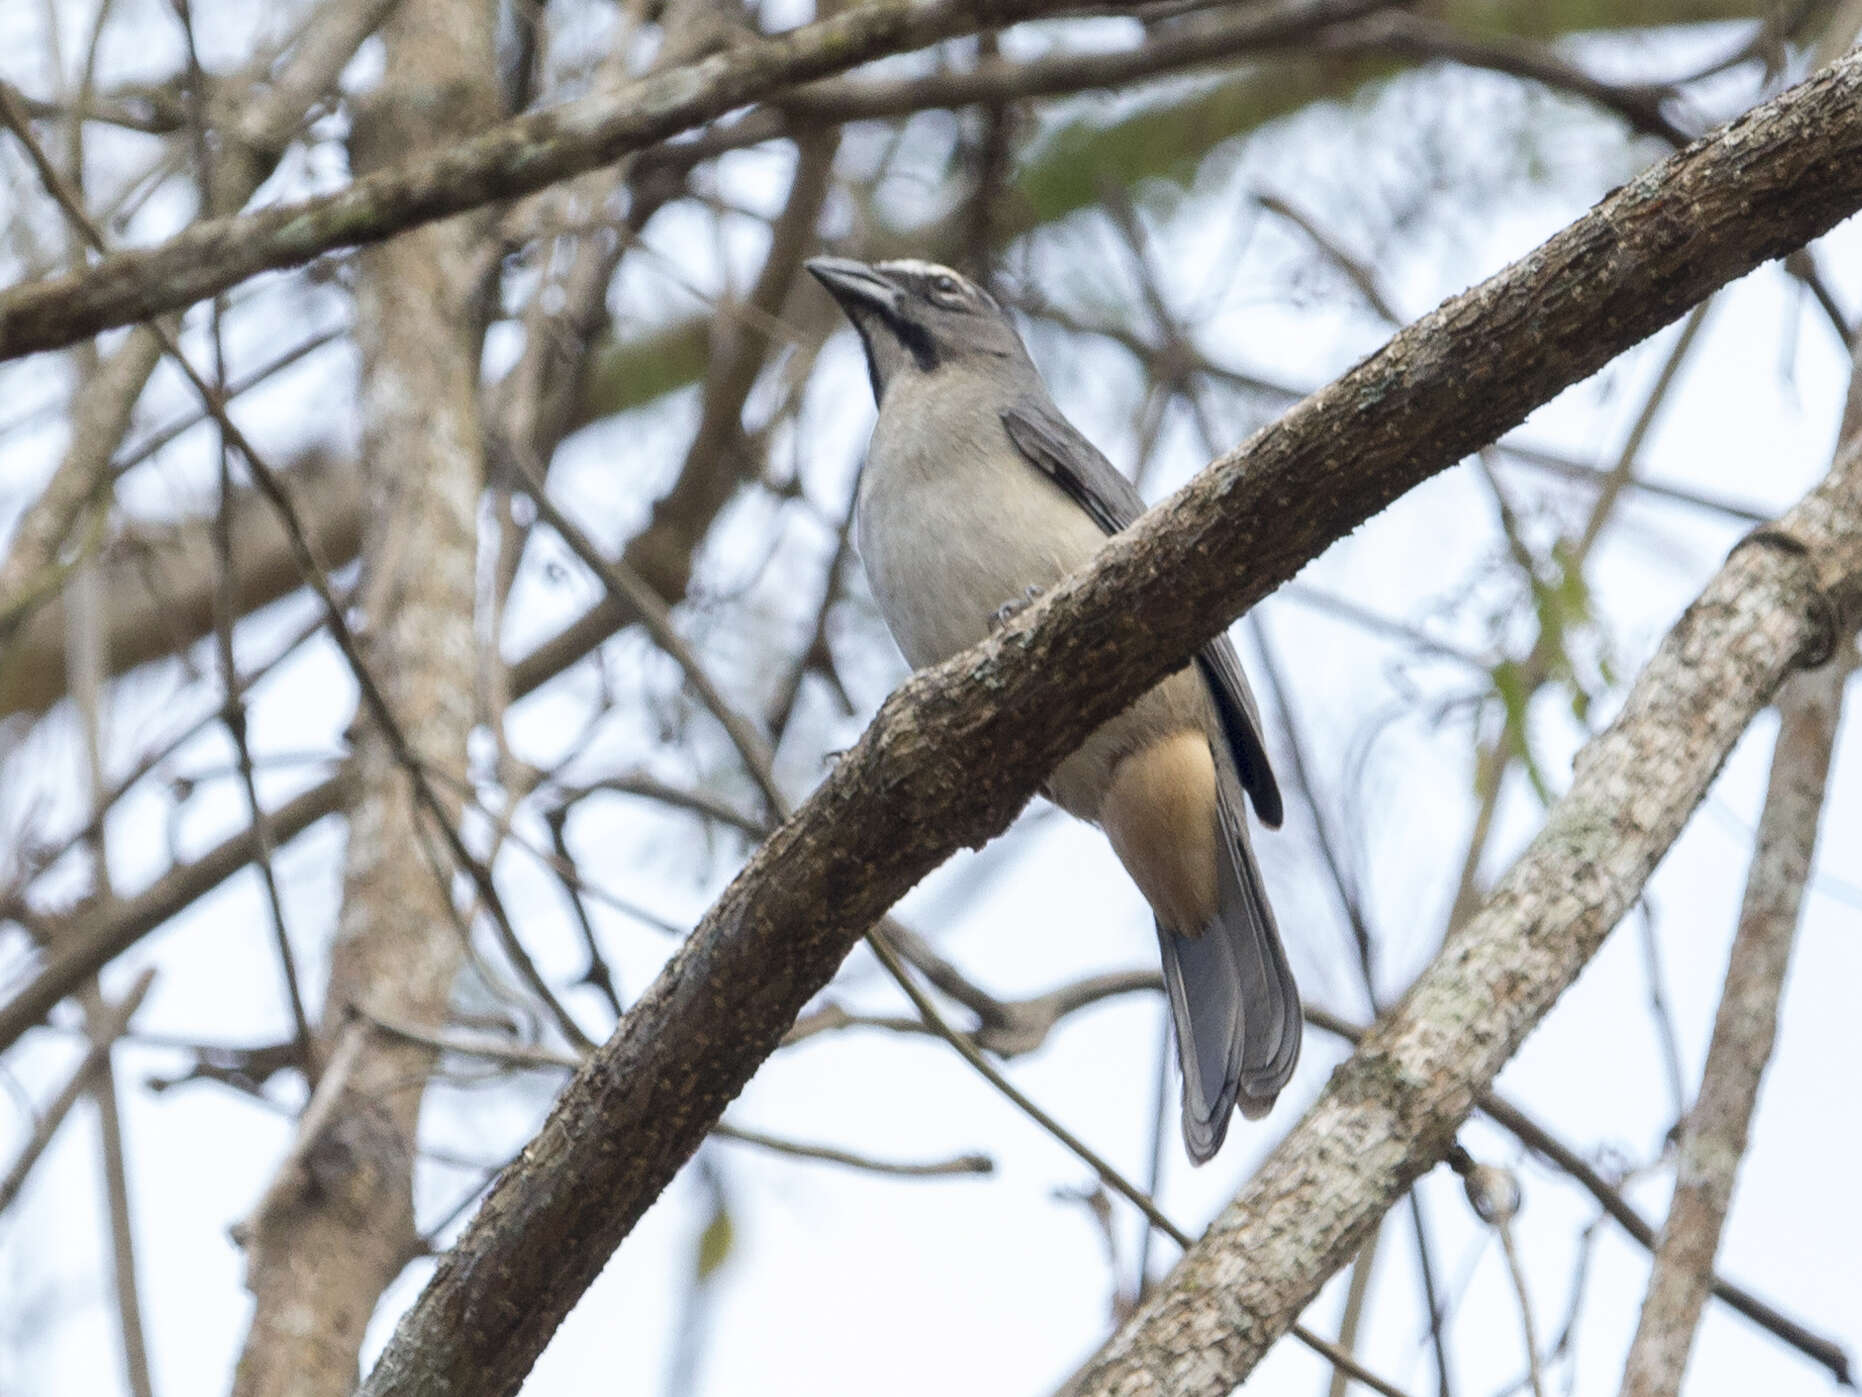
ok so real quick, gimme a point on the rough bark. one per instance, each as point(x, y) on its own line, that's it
point(339, 1226)
point(526, 154)
point(516, 157)
point(1713, 1140)
point(1064, 174)
point(954, 754)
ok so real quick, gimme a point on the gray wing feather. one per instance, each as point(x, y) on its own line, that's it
point(1056, 448)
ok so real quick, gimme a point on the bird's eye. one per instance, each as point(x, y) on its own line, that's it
point(945, 285)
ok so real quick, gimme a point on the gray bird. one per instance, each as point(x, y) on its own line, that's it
point(976, 495)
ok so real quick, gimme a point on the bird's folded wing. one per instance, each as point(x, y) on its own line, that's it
point(1055, 447)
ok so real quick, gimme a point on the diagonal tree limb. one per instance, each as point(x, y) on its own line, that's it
point(620, 374)
point(954, 754)
point(529, 152)
point(1713, 1140)
point(1390, 1113)
point(514, 158)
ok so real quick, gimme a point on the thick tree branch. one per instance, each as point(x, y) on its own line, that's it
point(514, 158)
point(533, 151)
point(954, 754)
point(623, 374)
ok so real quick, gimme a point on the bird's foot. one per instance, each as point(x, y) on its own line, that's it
point(1009, 610)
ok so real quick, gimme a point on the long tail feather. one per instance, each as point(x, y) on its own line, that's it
point(1232, 995)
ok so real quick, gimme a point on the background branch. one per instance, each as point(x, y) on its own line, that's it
point(1714, 1133)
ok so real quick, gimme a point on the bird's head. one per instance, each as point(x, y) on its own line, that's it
point(917, 318)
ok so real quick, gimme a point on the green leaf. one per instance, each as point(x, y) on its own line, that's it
point(715, 1242)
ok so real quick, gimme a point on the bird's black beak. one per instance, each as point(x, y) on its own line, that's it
point(854, 284)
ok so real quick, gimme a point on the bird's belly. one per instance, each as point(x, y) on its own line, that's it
point(1180, 701)
point(942, 554)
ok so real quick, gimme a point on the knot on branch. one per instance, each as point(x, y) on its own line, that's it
point(1823, 609)
point(1493, 1193)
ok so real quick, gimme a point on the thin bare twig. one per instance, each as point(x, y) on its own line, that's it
point(225, 608)
point(291, 1177)
point(971, 1164)
point(1354, 268)
point(103, 1031)
point(1132, 1194)
point(1357, 1295)
point(535, 1058)
point(1417, 36)
point(629, 590)
point(1516, 1269)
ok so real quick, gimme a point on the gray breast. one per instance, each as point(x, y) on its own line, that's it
point(952, 522)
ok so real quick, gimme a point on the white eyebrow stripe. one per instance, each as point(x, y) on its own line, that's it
point(917, 267)
point(912, 266)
